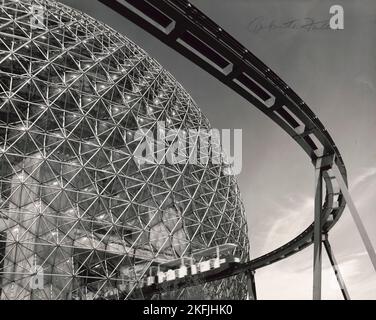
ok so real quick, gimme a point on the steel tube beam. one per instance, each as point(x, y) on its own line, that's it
point(336, 269)
point(251, 285)
point(317, 233)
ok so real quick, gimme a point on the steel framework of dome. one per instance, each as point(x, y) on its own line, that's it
point(75, 205)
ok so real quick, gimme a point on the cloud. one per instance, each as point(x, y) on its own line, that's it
point(292, 278)
point(290, 217)
point(365, 175)
point(364, 81)
point(358, 275)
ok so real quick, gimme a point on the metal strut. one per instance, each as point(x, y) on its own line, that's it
point(317, 233)
point(336, 270)
point(251, 285)
point(355, 214)
point(320, 239)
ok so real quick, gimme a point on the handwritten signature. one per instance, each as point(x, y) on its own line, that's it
point(308, 24)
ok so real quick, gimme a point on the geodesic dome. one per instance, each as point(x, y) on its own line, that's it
point(79, 217)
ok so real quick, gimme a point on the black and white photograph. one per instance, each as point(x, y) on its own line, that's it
point(187, 150)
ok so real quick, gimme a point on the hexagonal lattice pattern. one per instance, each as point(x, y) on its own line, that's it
point(74, 201)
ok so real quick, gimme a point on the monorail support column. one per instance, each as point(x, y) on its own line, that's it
point(355, 214)
point(336, 270)
point(317, 235)
point(251, 285)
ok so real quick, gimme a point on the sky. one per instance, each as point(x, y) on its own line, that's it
point(334, 72)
